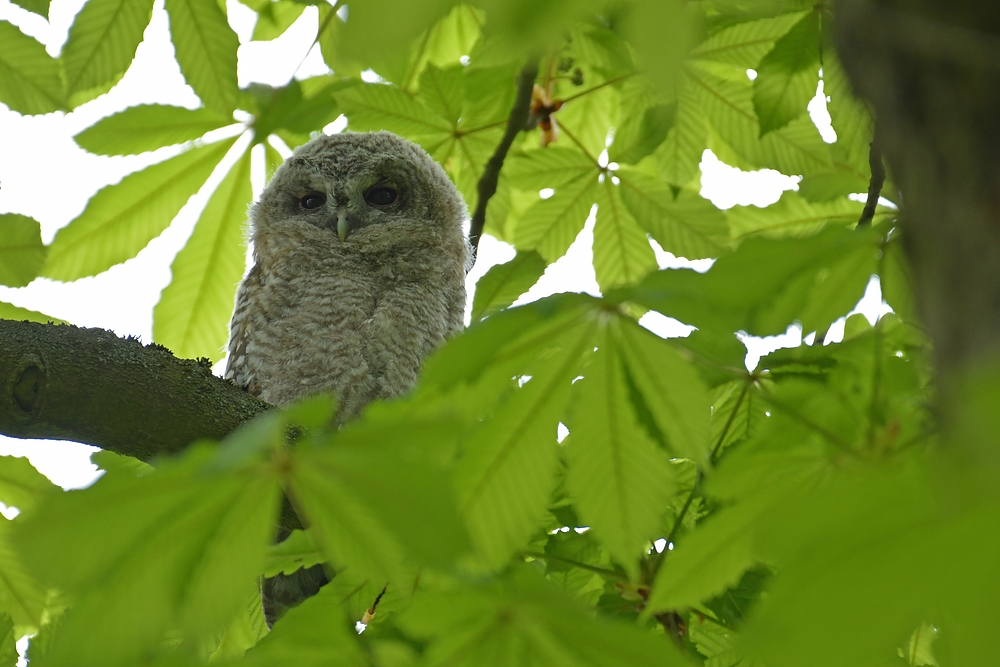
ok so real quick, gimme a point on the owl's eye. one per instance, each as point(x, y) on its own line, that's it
point(312, 201)
point(381, 196)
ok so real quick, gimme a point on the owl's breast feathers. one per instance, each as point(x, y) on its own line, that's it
point(313, 317)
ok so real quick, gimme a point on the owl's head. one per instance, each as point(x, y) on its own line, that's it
point(369, 191)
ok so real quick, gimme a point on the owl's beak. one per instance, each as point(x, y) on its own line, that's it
point(343, 225)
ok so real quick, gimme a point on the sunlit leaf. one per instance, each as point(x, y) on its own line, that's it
point(620, 479)
point(794, 216)
point(503, 283)
point(148, 127)
point(314, 634)
point(22, 486)
point(383, 107)
point(377, 492)
point(788, 75)
point(525, 621)
point(102, 42)
point(547, 168)
point(274, 18)
point(550, 226)
point(206, 51)
point(21, 251)
point(121, 219)
point(183, 548)
point(670, 389)
point(746, 42)
point(193, 312)
point(622, 254)
point(849, 116)
point(507, 469)
point(725, 95)
point(22, 597)
point(29, 77)
point(687, 226)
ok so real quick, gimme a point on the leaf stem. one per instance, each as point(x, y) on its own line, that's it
point(604, 572)
point(580, 145)
point(608, 82)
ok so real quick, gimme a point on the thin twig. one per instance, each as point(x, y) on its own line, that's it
point(516, 121)
point(874, 186)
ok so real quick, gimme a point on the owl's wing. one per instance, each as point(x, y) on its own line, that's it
point(237, 368)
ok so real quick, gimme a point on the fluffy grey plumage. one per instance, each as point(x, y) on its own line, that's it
point(359, 273)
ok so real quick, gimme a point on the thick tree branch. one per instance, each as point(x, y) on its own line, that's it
point(62, 382)
point(516, 122)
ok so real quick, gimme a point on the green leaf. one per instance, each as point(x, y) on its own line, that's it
point(295, 552)
point(525, 621)
point(794, 216)
point(849, 116)
point(274, 18)
point(746, 42)
point(21, 250)
point(146, 128)
point(679, 155)
point(21, 596)
point(551, 225)
point(707, 561)
point(814, 280)
point(725, 95)
point(384, 107)
point(687, 226)
point(671, 391)
point(121, 219)
point(29, 77)
point(619, 478)
point(504, 283)
point(548, 167)
point(206, 51)
point(313, 634)
point(11, 312)
point(102, 42)
point(178, 548)
point(641, 133)
point(22, 486)
point(507, 470)
point(589, 118)
point(820, 188)
point(787, 76)
point(896, 280)
point(40, 7)
point(8, 638)
point(301, 107)
point(441, 90)
point(622, 254)
point(376, 496)
point(192, 316)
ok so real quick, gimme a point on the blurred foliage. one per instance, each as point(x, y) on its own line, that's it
point(563, 487)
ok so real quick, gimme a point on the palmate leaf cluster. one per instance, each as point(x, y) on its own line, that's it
point(563, 487)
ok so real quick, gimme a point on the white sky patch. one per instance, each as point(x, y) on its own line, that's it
point(821, 116)
point(665, 327)
point(758, 347)
point(727, 186)
point(573, 272)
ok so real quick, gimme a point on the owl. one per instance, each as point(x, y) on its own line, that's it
point(359, 274)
